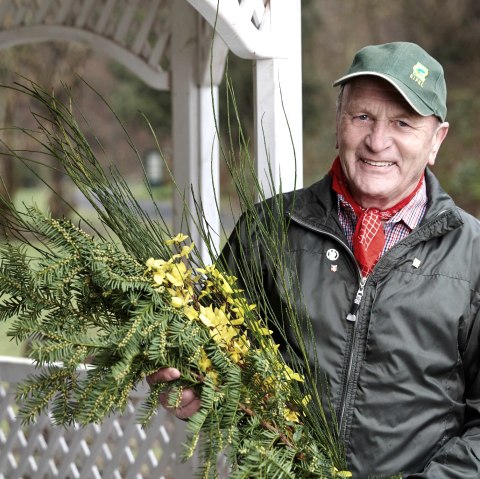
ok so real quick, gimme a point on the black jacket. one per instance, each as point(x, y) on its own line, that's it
point(404, 377)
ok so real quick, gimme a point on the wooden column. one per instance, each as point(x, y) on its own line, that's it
point(278, 103)
point(269, 33)
point(197, 69)
point(185, 115)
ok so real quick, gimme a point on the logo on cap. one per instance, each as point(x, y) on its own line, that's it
point(419, 73)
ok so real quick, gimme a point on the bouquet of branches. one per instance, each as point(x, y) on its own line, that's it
point(138, 298)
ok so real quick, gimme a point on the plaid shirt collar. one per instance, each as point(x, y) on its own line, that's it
point(413, 212)
point(397, 227)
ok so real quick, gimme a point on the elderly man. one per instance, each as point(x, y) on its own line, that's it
point(395, 266)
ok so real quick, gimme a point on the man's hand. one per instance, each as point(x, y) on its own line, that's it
point(190, 403)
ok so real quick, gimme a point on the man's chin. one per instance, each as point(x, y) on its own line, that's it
point(376, 198)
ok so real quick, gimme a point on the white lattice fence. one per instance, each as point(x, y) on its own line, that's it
point(118, 448)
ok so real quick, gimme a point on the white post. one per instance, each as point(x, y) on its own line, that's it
point(278, 103)
point(209, 170)
point(195, 142)
point(185, 115)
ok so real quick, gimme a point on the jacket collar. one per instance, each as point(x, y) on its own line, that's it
point(316, 206)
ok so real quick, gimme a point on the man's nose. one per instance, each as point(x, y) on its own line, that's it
point(379, 138)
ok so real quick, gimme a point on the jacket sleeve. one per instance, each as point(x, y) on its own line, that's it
point(241, 257)
point(459, 458)
point(250, 257)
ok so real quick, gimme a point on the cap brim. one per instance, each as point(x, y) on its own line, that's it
point(410, 97)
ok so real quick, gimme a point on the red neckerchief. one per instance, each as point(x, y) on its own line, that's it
point(369, 237)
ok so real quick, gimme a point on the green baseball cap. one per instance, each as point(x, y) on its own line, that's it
point(410, 69)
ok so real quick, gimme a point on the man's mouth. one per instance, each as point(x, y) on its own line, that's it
point(378, 164)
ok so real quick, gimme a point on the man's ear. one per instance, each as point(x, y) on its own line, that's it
point(438, 137)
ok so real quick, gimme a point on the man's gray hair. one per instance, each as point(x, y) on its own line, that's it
point(339, 102)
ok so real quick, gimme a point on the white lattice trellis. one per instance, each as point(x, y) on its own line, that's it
point(134, 32)
point(138, 32)
point(245, 25)
point(117, 449)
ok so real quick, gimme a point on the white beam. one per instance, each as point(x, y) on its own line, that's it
point(278, 103)
point(152, 75)
point(233, 22)
point(185, 115)
point(195, 145)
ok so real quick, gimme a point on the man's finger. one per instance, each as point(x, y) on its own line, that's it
point(163, 375)
point(189, 404)
point(189, 410)
point(188, 395)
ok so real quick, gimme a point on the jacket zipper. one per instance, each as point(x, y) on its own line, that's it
point(351, 317)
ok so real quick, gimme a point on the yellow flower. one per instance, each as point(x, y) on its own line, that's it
point(223, 334)
point(341, 474)
point(177, 302)
point(290, 415)
point(204, 362)
point(240, 307)
point(207, 316)
point(186, 250)
point(158, 278)
point(177, 274)
point(216, 278)
point(177, 239)
point(153, 263)
point(225, 286)
point(241, 345)
point(265, 331)
point(292, 375)
point(190, 312)
point(236, 357)
point(213, 376)
point(237, 322)
point(174, 280)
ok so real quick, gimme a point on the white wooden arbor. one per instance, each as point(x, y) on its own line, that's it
point(167, 43)
point(146, 35)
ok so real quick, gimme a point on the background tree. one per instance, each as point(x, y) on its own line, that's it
point(50, 64)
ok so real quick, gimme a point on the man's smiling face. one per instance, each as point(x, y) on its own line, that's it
point(384, 145)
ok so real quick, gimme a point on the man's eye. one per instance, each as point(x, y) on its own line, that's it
point(360, 119)
point(402, 124)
